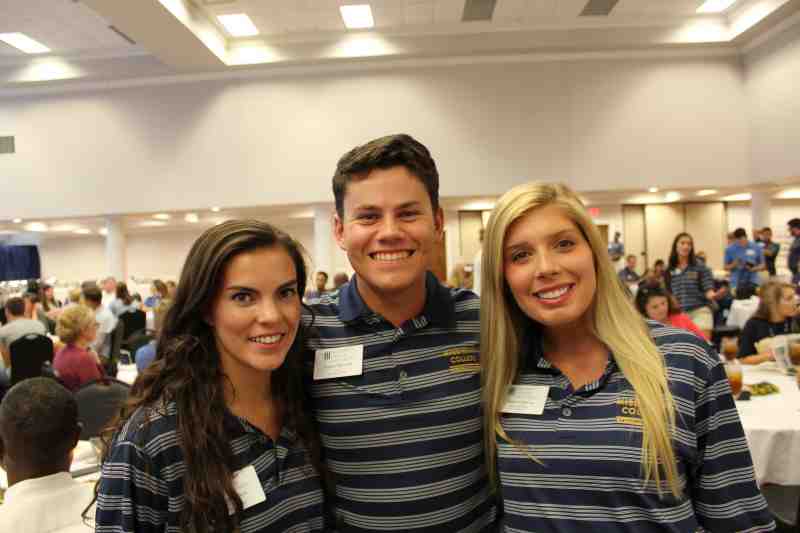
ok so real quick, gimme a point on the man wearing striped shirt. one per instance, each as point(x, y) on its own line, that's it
point(396, 382)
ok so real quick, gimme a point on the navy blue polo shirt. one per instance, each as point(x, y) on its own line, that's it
point(141, 485)
point(690, 285)
point(404, 439)
point(589, 444)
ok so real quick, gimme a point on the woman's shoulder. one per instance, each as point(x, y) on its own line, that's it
point(151, 428)
point(682, 348)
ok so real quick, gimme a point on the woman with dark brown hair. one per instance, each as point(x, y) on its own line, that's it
point(776, 315)
point(216, 436)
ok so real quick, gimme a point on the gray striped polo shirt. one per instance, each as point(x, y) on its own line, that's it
point(404, 439)
point(589, 444)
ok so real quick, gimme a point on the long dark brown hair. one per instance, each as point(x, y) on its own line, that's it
point(187, 370)
point(673, 258)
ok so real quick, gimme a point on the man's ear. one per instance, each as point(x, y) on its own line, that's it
point(438, 223)
point(338, 232)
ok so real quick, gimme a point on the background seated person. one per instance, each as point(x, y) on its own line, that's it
point(775, 316)
point(658, 304)
point(75, 364)
point(123, 303)
point(743, 306)
point(628, 274)
point(106, 322)
point(17, 327)
point(38, 431)
point(158, 292)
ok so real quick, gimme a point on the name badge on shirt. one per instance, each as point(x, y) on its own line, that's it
point(526, 399)
point(339, 362)
point(248, 487)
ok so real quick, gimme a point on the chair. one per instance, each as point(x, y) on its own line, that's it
point(28, 354)
point(133, 321)
point(99, 402)
point(136, 341)
point(110, 363)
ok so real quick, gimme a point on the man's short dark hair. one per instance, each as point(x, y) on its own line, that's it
point(15, 306)
point(93, 294)
point(323, 273)
point(766, 229)
point(383, 153)
point(38, 422)
point(794, 223)
point(740, 233)
point(629, 256)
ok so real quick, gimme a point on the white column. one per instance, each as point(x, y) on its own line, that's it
point(759, 210)
point(324, 244)
point(116, 265)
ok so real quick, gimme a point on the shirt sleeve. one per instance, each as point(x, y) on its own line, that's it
point(729, 256)
point(748, 339)
point(722, 486)
point(133, 496)
point(706, 279)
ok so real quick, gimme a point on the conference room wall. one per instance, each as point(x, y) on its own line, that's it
point(772, 81)
point(157, 254)
point(595, 124)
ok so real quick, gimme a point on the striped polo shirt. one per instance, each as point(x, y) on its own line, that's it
point(589, 444)
point(404, 438)
point(141, 486)
point(689, 286)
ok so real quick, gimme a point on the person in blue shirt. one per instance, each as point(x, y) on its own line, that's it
point(217, 435)
point(793, 261)
point(743, 259)
point(596, 419)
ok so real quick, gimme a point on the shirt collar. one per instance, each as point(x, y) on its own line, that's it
point(439, 308)
point(35, 485)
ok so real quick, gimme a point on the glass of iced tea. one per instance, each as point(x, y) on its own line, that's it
point(729, 348)
point(734, 371)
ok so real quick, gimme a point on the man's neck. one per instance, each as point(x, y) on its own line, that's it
point(17, 476)
point(398, 308)
point(12, 318)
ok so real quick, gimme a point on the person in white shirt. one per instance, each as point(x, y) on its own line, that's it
point(38, 431)
point(109, 291)
point(105, 321)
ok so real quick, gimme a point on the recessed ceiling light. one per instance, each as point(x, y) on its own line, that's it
point(22, 42)
point(191, 218)
point(82, 231)
point(64, 227)
point(357, 17)
point(238, 25)
point(161, 216)
point(652, 189)
point(215, 209)
point(672, 196)
point(706, 192)
point(36, 226)
point(152, 223)
point(102, 231)
point(743, 197)
point(17, 220)
point(715, 6)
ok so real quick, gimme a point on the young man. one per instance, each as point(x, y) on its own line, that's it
point(743, 259)
point(320, 281)
point(17, 327)
point(770, 250)
point(628, 275)
point(794, 250)
point(105, 321)
point(396, 379)
point(38, 431)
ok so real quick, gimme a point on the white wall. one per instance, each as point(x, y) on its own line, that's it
point(772, 75)
point(157, 254)
point(597, 125)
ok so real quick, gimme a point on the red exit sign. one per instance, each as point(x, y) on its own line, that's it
point(594, 212)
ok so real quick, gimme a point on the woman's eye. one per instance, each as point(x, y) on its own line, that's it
point(519, 256)
point(290, 292)
point(367, 217)
point(242, 297)
point(409, 214)
point(565, 243)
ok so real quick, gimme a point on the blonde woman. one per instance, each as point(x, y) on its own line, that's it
point(595, 419)
point(75, 363)
point(776, 315)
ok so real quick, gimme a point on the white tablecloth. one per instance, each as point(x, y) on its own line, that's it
point(772, 426)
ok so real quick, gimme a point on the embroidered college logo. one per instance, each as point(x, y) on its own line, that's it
point(463, 359)
point(628, 411)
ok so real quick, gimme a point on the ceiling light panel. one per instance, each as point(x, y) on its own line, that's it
point(715, 6)
point(357, 17)
point(706, 192)
point(22, 42)
point(238, 25)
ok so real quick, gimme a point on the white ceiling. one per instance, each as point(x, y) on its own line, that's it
point(183, 38)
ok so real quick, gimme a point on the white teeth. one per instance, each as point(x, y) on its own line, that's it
point(390, 256)
point(552, 295)
point(267, 340)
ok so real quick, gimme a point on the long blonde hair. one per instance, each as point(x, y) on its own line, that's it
point(613, 318)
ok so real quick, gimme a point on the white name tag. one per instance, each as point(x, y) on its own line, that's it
point(526, 399)
point(248, 487)
point(339, 362)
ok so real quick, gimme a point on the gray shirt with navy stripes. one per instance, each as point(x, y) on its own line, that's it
point(404, 438)
point(589, 444)
point(141, 488)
